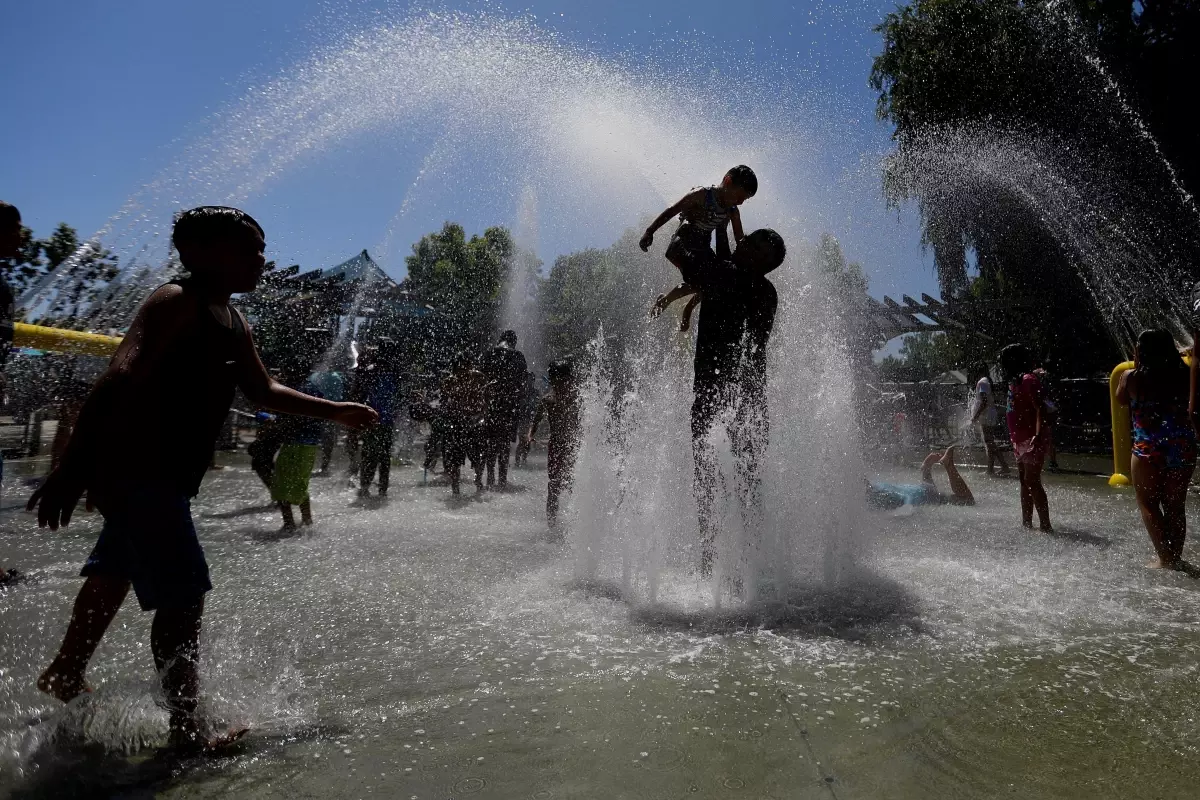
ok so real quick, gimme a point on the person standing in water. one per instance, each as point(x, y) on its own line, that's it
point(1157, 391)
point(562, 409)
point(984, 417)
point(1028, 420)
point(10, 247)
point(140, 449)
point(464, 405)
point(730, 371)
point(504, 371)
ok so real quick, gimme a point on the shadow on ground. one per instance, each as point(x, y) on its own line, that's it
point(864, 607)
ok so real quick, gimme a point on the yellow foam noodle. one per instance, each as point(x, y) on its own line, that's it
point(59, 340)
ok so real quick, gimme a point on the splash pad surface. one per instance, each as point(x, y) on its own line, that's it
point(430, 648)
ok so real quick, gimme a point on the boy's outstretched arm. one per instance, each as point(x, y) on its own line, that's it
point(263, 390)
point(688, 201)
point(114, 402)
point(678, 293)
point(735, 219)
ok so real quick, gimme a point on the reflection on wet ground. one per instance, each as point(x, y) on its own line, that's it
point(419, 648)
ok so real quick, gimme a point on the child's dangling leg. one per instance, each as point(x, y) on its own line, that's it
point(289, 520)
point(685, 320)
point(306, 512)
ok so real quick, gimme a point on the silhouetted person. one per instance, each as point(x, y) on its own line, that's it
point(1157, 391)
point(1028, 421)
point(736, 319)
point(529, 406)
point(464, 405)
point(985, 417)
point(141, 447)
point(561, 409)
point(701, 213)
point(10, 247)
point(331, 384)
point(504, 370)
point(380, 377)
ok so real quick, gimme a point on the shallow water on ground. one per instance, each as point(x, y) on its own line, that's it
point(432, 648)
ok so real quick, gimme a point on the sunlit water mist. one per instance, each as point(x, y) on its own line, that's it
point(560, 141)
point(507, 113)
point(1130, 258)
point(633, 519)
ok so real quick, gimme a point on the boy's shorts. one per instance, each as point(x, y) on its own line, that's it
point(293, 469)
point(691, 246)
point(148, 538)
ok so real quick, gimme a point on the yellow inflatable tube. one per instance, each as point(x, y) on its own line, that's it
point(1122, 426)
point(59, 340)
point(1122, 431)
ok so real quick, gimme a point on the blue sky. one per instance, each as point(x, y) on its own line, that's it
point(107, 95)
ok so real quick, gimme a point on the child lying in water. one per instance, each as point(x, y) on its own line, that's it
point(893, 496)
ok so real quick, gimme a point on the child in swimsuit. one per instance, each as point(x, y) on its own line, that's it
point(894, 496)
point(1157, 391)
point(701, 212)
point(1029, 429)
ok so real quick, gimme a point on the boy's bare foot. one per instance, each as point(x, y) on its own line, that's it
point(62, 686)
point(1158, 563)
point(947, 457)
point(1047, 528)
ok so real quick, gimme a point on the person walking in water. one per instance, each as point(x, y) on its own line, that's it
point(562, 409)
point(10, 247)
point(140, 449)
point(983, 416)
point(1028, 419)
point(702, 212)
point(464, 405)
point(504, 370)
point(730, 371)
point(1157, 391)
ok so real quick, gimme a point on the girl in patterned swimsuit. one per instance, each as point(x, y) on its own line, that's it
point(701, 212)
point(1157, 391)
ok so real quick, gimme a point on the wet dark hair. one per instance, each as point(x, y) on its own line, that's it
point(743, 177)
point(1015, 361)
point(207, 224)
point(1157, 353)
point(561, 371)
point(982, 370)
point(770, 243)
point(9, 215)
point(509, 336)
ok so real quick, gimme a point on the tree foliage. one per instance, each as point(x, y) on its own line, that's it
point(1031, 67)
point(923, 356)
point(590, 290)
point(83, 271)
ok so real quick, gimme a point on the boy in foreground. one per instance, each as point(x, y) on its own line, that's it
point(141, 446)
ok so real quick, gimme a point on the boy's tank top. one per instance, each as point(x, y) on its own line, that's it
point(192, 397)
point(711, 217)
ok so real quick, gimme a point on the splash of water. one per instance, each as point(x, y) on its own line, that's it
point(1110, 230)
point(520, 124)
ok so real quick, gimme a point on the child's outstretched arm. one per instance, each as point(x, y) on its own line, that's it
point(735, 219)
point(689, 200)
point(261, 389)
point(678, 293)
